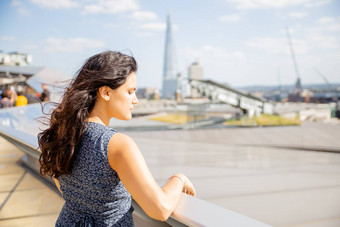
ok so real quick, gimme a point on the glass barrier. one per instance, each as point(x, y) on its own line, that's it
point(20, 126)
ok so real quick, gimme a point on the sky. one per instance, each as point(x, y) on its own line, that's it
point(238, 42)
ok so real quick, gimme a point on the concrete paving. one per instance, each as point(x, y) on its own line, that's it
point(237, 168)
point(24, 199)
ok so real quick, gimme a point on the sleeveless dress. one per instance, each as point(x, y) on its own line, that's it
point(93, 193)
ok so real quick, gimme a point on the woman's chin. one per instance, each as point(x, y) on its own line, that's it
point(125, 118)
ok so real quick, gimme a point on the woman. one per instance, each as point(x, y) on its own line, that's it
point(95, 167)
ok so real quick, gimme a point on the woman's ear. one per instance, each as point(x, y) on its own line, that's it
point(103, 93)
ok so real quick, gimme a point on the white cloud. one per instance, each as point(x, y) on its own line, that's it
point(267, 4)
point(159, 26)
point(111, 25)
point(54, 45)
point(212, 53)
point(23, 11)
point(56, 4)
point(323, 42)
point(318, 3)
point(326, 20)
point(278, 46)
point(30, 47)
point(145, 34)
point(20, 7)
point(110, 7)
point(6, 38)
point(219, 53)
point(298, 14)
point(152, 28)
point(230, 18)
point(144, 15)
point(16, 3)
point(218, 63)
point(301, 46)
point(333, 27)
point(326, 24)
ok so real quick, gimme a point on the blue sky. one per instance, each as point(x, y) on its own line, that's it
point(239, 42)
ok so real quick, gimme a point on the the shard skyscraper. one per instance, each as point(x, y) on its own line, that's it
point(170, 68)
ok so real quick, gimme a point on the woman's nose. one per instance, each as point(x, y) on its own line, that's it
point(135, 100)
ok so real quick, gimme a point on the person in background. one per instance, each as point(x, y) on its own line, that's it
point(96, 168)
point(12, 94)
point(21, 99)
point(45, 95)
point(5, 101)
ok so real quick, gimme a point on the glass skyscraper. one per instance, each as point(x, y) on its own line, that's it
point(170, 83)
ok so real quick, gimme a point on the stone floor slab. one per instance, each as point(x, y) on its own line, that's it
point(30, 182)
point(287, 207)
point(32, 203)
point(332, 222)
point(33, 221)
point(10, 168)
point(9, 181)
point(3, 196)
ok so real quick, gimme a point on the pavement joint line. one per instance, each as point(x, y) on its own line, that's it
point(271, 192)
point(28, 216)
point(8, 155)
point(23, 190)
point(13, 189)
point(236, 175)
point(303, 148)
point(320, 221)
point(36, 175)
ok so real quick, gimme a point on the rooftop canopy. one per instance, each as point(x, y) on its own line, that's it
point(34, 77)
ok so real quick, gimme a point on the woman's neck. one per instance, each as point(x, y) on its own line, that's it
point(97, 119)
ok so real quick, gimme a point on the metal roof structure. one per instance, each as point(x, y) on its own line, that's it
point(27, 70)
point(216, 92)
point(34, 77)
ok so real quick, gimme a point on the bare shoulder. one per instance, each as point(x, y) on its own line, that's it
point(121, 150)
point(120, 138)
point(120, 143)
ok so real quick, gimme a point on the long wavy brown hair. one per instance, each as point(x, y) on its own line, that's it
point(67, 123)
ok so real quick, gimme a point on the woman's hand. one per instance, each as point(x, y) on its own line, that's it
point(188, 187)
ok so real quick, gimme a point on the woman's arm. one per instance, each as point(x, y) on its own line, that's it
point(126, 159)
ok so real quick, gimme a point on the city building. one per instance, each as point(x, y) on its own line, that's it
point(15, 59)
point(195, 71)
point(147, 93)
point(170, 80)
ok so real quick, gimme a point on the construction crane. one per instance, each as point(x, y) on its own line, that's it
point(279, 81)
point(322, 76)
point(298, 81)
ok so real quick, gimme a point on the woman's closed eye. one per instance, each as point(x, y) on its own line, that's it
point(132, 91)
